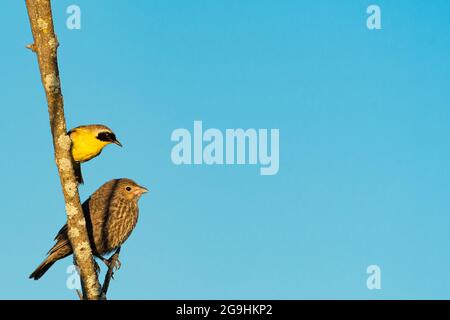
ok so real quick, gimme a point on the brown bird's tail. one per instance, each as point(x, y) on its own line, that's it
point(77, 169)
point(60, 250)
point(43, 267)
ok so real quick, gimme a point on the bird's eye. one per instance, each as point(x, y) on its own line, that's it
point(128, 188)
point(106, 136)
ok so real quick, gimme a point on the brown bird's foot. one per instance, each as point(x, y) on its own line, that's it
point(112, 262)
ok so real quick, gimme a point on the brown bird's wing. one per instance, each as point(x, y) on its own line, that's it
point(61, 240)
point(61, 246)
point(62, 233)
point(61, 249)
point(97, 213)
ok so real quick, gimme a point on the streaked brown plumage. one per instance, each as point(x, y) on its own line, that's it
point(111, 214)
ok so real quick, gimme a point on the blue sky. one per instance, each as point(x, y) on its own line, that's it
point(364, 146)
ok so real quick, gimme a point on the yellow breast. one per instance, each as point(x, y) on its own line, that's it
point(85, 145)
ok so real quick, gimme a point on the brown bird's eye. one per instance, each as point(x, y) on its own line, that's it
point(128, 188)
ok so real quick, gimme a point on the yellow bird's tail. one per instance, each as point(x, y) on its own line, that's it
point(77, 169)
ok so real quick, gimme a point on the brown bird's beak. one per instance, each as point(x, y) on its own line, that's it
point(141, 190)
point(117, 142)
point(144, 190)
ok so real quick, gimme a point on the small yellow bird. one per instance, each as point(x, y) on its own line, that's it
point(88, 142)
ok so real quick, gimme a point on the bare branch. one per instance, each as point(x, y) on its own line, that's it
point(31, 47)
point(45, 45)
point(80, 294)
point(110, 274)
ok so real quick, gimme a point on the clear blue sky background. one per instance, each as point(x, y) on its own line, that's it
point(364, 125)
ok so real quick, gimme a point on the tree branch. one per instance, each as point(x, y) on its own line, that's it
point(45, 46)
point(110, 274)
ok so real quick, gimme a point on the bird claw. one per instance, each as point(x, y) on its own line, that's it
point(113, 263)
point(110, 261)
point(117, 265)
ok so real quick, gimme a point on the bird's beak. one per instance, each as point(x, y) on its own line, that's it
point(143, 189)
point(139, 191)
point(117, 142)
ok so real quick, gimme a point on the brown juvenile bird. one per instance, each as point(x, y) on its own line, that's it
point(111, 214)
point(88, 142)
